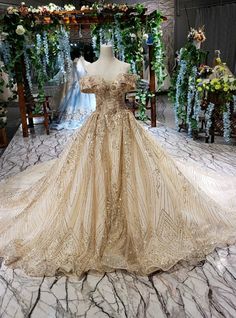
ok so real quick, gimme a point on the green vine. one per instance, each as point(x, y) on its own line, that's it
point(158, 62)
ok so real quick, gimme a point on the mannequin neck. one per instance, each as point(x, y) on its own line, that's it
point(106, 53)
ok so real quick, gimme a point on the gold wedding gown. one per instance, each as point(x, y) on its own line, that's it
point(113, 200)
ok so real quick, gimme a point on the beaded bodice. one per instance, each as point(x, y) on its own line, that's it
point(109, 94)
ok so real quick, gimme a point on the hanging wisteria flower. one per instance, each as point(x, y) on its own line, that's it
point(28, 69)
point(20, 30)
point(5, 50)
point(234, 101)
point(197, 106)
point(64, 45)
point(118, 40)
point(69, 7)
point(45, 45)
point(208, 117)
point(191, 96)
point(38, 43)
point(179, 82)
point(227, 123)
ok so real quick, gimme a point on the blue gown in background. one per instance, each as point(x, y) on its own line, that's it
point(75, 106)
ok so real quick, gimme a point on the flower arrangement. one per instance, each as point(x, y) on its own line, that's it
point(99, 7)
point(196, 35)
point(221, 82)
point(23, 10)
point(225, 84)
point(219, 89)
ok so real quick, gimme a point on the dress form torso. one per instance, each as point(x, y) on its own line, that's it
point(107, 66)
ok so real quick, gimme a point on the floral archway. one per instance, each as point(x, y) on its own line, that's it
point(38, 39)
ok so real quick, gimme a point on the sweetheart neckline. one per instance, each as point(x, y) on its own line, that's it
point(107, 81)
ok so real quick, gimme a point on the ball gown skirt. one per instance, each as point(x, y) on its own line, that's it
point(113, 200)
point(75, 106)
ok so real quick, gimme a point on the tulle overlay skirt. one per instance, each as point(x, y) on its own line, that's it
point(74, 108)
point(113, 200)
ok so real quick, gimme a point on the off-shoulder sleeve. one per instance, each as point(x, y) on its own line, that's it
point(88, 84)
point(129, 81)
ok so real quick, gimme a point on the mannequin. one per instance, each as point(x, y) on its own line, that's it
point(74, 106)
point(107, 66)
point(83, 61)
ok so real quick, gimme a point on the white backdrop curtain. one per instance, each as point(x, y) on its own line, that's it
point(220, 29)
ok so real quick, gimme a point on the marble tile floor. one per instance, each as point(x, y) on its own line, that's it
point(205, 290)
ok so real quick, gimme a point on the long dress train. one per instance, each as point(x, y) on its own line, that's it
point(113, 200)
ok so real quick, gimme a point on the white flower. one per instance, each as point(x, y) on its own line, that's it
point(34, 10)
point(23, 3)
point(51, 7)
point(145, 36)
point(69, 7)
point(133, 36)
point(12, 10)
point(20, 30)
point(4, 119)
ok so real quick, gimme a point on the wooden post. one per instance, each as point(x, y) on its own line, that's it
point(152, 88)
point(20, 91)
point(3, 138)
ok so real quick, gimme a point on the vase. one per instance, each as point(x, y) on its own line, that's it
point(3, 138)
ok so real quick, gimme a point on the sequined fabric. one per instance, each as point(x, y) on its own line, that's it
point(113, 200)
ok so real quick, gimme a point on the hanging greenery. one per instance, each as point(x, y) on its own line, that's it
point(183, 92)
point(32, 41)
point(158, 62)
